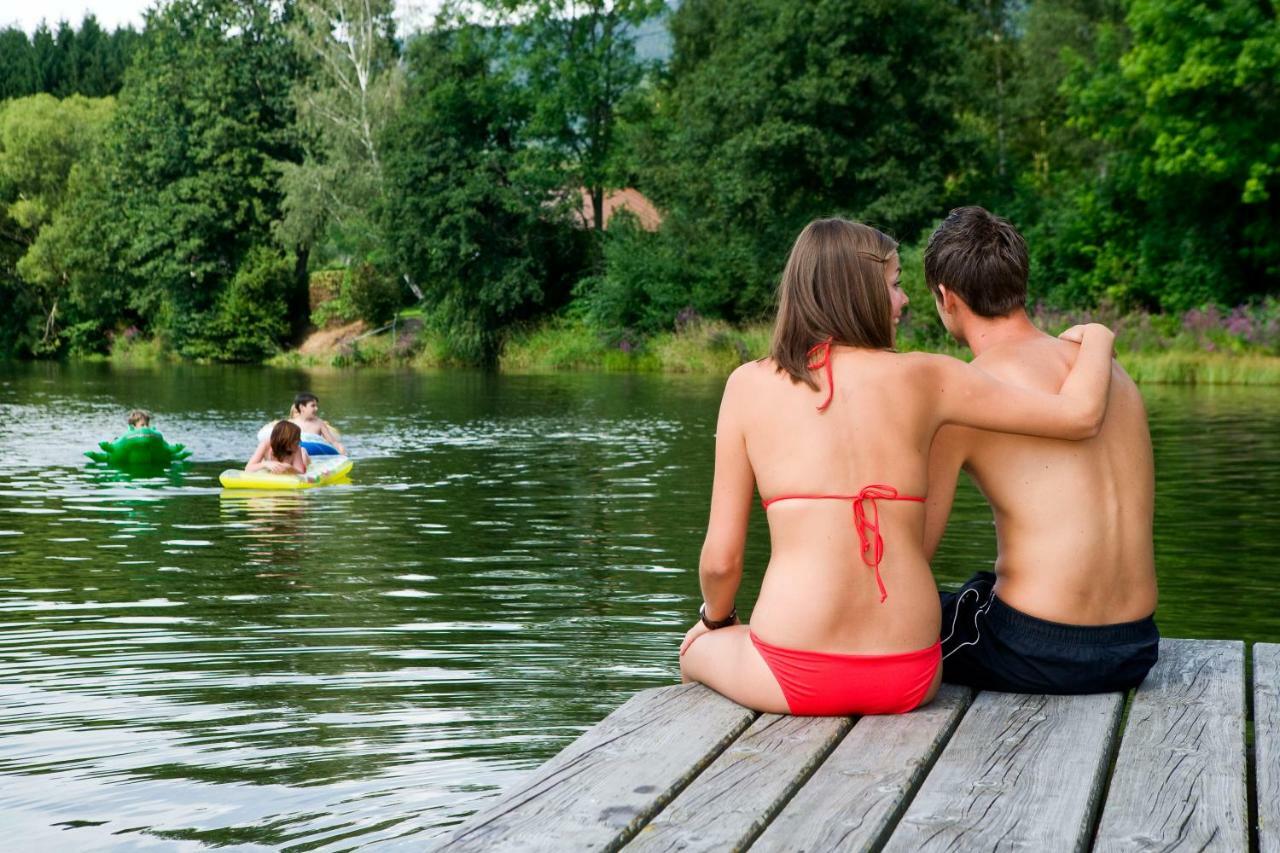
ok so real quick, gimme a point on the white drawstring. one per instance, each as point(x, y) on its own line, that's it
point(981, 611)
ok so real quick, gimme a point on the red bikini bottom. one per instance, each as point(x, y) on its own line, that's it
point(818, 684)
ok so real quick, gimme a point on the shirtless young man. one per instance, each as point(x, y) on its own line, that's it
point(304, 413)
point(1069, 606)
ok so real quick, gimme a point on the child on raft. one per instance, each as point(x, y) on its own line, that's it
point(140, 446)
point(304, 413)
point(282, 453)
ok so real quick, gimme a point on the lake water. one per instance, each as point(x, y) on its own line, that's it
point(183, 667)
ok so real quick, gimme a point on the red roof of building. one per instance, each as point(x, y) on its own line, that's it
point(629, 199)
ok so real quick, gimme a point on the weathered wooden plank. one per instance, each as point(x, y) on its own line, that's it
point(733, 799)
point(1179, 781)
point(1266, 740)
point(604, 786)
point(1021, 772)
point(855, 796)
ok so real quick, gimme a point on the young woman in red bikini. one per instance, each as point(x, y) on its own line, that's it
point(834, 430)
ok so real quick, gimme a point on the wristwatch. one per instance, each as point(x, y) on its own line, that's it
point(713, 624)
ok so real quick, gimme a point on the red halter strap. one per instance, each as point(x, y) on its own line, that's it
point(874, 542)
point(823, 362)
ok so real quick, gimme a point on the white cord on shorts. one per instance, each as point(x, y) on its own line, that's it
point(981, 611)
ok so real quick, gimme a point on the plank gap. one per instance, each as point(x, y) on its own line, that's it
point(913, 788)
point(1265, 752)
point(1117, 735)
point(1022, 771)
point(623, 838)
point(801, 780)
point(848, 801)
point(599, 790)
point(1250, 752)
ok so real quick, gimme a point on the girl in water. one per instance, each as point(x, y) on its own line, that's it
point(834, 429)
point(282, 452)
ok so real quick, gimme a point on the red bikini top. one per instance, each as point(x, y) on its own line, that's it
point(868, 494)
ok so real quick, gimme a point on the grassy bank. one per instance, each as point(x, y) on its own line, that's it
point(1201, 368)
point(717, 348)
point(706, 347)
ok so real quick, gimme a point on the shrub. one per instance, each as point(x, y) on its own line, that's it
point(250, 319)
point(373, 294)
point(641, 288)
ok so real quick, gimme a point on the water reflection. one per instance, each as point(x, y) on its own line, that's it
point(365, 663)
point(271, 525)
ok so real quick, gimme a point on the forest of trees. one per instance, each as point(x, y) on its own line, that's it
point(88, 61)
point(184, 182)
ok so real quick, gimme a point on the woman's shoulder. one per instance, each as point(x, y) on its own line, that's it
point(931, 362)
point(756, 368)
point(752, 375)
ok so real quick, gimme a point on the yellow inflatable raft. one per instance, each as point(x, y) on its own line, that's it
point(321, 472)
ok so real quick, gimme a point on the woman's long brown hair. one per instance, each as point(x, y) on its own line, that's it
point(833, 288)
point(285, 438)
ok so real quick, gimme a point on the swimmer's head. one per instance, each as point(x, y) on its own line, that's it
point(285, 438)
point(301, 401)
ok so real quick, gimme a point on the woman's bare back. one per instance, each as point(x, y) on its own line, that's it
point(818, 591)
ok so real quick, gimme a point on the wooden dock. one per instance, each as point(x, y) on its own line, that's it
point(1166, 767)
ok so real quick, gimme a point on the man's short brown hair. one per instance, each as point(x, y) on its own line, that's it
point(981, 258)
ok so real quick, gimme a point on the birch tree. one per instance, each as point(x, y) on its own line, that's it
point(344, 103)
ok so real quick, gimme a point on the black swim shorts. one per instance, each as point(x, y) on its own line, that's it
point(991, 646)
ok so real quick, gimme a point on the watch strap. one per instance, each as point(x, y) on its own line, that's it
point(716, 624)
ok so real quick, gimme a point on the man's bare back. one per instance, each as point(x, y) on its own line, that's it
point(1073, 518)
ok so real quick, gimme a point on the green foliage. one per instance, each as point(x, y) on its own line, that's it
point(88, 62)
point(1177, 208)
point(326, 292)
point(778, 112)
point(130, 348)
point(42, 142)
point(204, 115)
point(20, 315)
point(920, 327)
point(698, 346)
point(1185, 368)
point(373, 293)
point(707, 346)
point(250, 318)
point(348, 90)
point(462, 215)
point(579, 66)
point(559, 344)
point(1133, 141)
point(641, 287)
point(41, 138)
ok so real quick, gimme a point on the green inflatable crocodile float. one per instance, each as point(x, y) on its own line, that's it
point(142, 448)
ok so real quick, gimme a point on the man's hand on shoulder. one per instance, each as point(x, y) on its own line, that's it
point(1076, 334)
